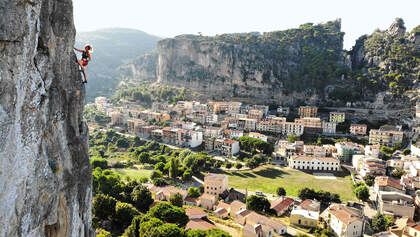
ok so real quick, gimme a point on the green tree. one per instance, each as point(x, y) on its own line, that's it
point(380, 223)
point(133, 229)
point(174, 167)
point(397, 173)
point(159, 182)
point(104, 233)
point(148, 226)
point(291, 138)
point(228, 165)
point(257, 203)
point(144, 157)
point(406, 152)
point(160, 166)
point(193, 192)
point(124, 214)
point(369, 180)
point(99, 162)
point(176, 200)
point(187, 175)
point(362, 192)
point(169, 230)
point(156, 174)
point(238, 165)
point(169, 213)
point(123, 142)
point(142, 198)
point(103, 206)
point(281, 191)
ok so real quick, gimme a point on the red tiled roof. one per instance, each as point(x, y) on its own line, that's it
point(199, 224)
point(195, 211)
point(279, 205)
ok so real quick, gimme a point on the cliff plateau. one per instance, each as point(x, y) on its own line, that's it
point(45, 176)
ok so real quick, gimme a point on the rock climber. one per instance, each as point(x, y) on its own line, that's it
point(83, 62)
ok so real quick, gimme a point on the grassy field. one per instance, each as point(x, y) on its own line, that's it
point(268, 178)
point(135, 172)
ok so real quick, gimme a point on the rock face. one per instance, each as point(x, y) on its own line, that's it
point(253, 66)
point(143, 68)
point(45, 176)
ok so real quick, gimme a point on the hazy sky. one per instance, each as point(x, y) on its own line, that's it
point(167, 18)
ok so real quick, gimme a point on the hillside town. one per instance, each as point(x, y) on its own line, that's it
point(385, 160)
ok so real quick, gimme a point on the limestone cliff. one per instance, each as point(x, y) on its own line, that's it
point(253, 66)
point(45, 176)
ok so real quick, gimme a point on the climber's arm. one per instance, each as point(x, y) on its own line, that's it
point(78, 50)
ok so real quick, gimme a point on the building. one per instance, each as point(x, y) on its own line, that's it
point(314, 163)
point(227, 147)
point(117, 118)
point(282, 205)
point(311, 125)
point(304, 218)
point(388, 184)
point(287, 128)
point(207, 201)
point(385, 137)
point(258, 136)
point(312, 150)
point(358, 129)
point(256, 225)
point(412, 229)
point(215, 184)
point(337, 117)
point(372, 166)
point(307, 111)
point(373, 150)
point(396, 204)
point(329, 127)
point(255, 114)
point(310, 205)
point(235, 207)
point(199, 224)
point(195, 213)
point(283, 111)
point(345, 150)
point(343, 220)
point(269, 126)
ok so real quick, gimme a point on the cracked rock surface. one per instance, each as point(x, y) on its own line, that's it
point(45, 176)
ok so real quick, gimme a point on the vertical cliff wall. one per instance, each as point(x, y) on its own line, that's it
point(45, 177)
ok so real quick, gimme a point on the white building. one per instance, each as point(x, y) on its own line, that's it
point(196, 138)
point(343, 220)
point(329, 127)
point(314, 163)
point(372, 150)
point(258, 136)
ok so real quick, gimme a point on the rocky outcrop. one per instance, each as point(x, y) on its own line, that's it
point(143, 68)
point(254, 67)
point(45, 176)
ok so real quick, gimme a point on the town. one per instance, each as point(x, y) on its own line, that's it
point(382, 164)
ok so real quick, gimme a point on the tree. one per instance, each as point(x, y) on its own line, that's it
point(362, 192)
point(156, 174)
point(133, 229)
point(159, 182)
point(144, 157)
point(174, 167)
point(291, 138)
point(176, 200)
point(193, 192)
point(228, 165)
point(160, 166)
point(104, 233)
point(187, 175)
point(123, 142)
point(238, 165)
point(369, 179)
point(168, 230)
point(397, 173)
point(281, 191)
point(103, 206)
point(380, 223)
point(99, 162)
point(124, 214)
point(142, 198)
point(406, 152)
point(148, 226)
point(257, 203)
point(169, 213)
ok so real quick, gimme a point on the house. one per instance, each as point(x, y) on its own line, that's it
point(283, 111)
point(372, 166)
point(396, 204)
point(237, 195)
point(258, 136)
point(212, 132)
point(385, 137)
point(269, 226)
point(189, 201)
point(304, 217)
point(337, 117)
point(307, 111)
point(318, 151)
point(329, 127)
point(343, 220)
point(199, 224)
point(207, 201)
point(358, 129)
point(221, 213)
point(310, 205)
point(195, 213)
point(373, 150)
point(314, 163)
point(282, 205)
point(215, 184)
point(240, 216)
point(387, 184)
point(235, 207)
point(411, 230)
point(345, 150)
point(227, 147)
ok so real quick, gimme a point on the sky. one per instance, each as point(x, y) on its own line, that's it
point(168, 18)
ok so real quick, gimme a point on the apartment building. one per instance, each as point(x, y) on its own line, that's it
point(307, 111)
point(283, 111)
point(227, 147)
point(385, 137)
point(337, 117)
point(396, 204)
point(358, 129)
point(318, 151)
point(311, 125)
point(258, 136)
point(329, 127)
